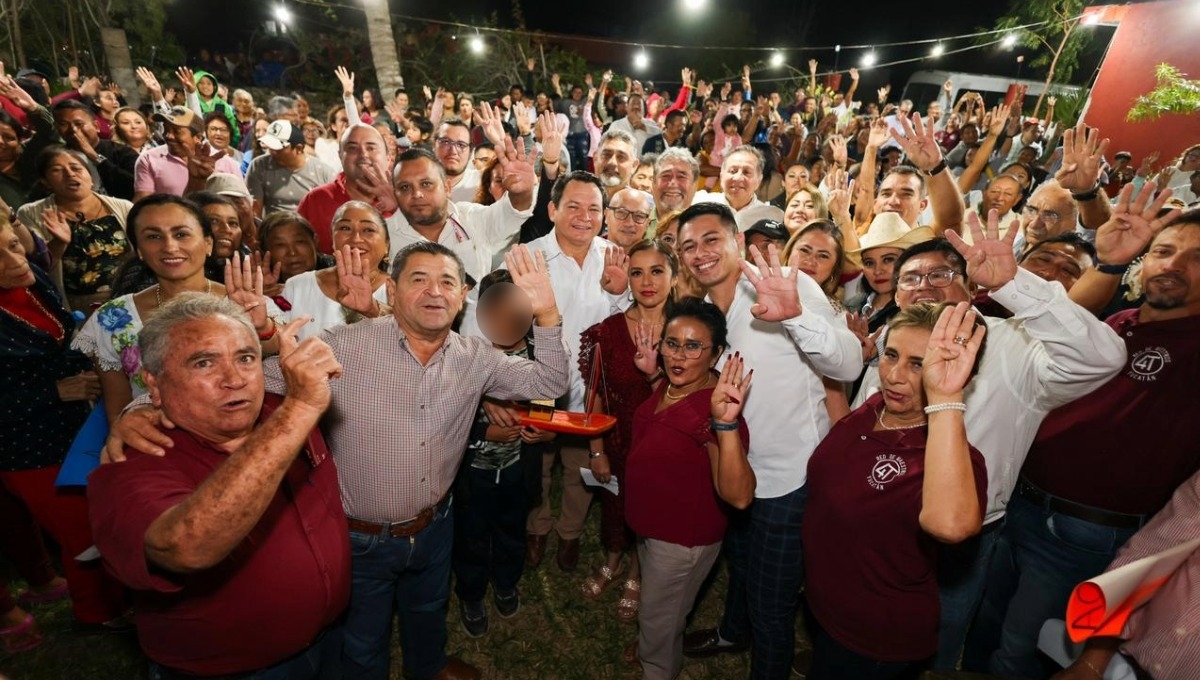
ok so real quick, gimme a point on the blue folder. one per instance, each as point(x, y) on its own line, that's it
point(84, 454)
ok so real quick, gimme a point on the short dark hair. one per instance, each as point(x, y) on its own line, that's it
point(937, 245)
point(516, 87)
point(203, 199)
point(556, 193)
point(72, 105)
point(731, 119)
point(673, 115)
point(497, 276)
point(719, 210)
point(399, 91)
point(422, 123)
point(706, 313)
point(1070, 238)
point(455, 122)
point(911, 172)
point(159, 200)
point(426, 248)
point(218, 116)
point(417, 153)
point(280, 219)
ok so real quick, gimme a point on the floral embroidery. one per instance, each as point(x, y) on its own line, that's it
point(113, 317)
point(97, 249)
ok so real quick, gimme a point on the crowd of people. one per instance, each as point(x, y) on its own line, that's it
point(912, 376)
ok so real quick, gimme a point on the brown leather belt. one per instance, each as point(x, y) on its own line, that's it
point(1108, 518)
point(408, 527)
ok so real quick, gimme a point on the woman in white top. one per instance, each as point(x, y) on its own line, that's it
point(324, 294)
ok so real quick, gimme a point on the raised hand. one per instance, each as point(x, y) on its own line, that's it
point(837, 144)
point(531, 63)
point(529, 273)
point(151, 82)
point(778, 297)
point(18, 96)
point(838, 182)
point(1133, 224)
point(354, 282)
point(589, 81)
point(999, 116)
point(346, 78)
point(56, 226)
point(860, 325)
point(990, 259)
point(428, 93)
point(645, 340)
point(1147, 166)
point(918, 142)
point(552, 137)
point(1083, 152)
point(186, 78)
point(520, 113)
point(854, 74)
point(950, 354)
point(375, 183)
point(686, 76)
point(244, 287)
point(90, 87)
point(203, 163)
point(519, 177)
point(615, 277)
point(880, 133)
point(73, 76)
point(493, 126)
point(307, 367)
point(729, 394)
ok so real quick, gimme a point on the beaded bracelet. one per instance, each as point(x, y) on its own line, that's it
point(718, 426)
point(948, 406)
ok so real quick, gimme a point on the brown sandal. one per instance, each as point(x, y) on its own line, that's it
point(599, 581)
point(627, 607)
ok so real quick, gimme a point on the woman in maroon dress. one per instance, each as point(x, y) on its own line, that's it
point(621, 388)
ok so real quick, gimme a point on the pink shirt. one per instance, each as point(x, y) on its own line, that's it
point(160, 171)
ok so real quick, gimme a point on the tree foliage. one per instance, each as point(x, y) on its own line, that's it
point(1057, 41)
point(1174, 93)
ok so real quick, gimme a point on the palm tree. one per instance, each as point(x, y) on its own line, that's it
point(383, 46)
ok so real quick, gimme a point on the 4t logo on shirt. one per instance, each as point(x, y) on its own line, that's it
point(1146, 364)
point(888, 468)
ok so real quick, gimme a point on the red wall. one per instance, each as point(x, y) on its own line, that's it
point(1147, 35)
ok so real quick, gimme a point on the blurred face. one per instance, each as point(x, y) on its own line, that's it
point(926, 291)
point(740, 178)
point(292, 245)
point(1062, 262)
point(669, 234)
point(761, 241)
point(969, 135)
point(171, 242)
point(364, 148)
point(675, 127)
point(466, 109)
point(810, 105)
point(800, 211)
point(226, 229)
point(133, 127)
point(1047, 213)
point(615, 162)
point(935, 110)
point(818, 255)
point(453, 148)
point(1002, 194)
point(674, 185)
point(14, 268)
point(68, 178)
point(302, 109)
point(481, 157)
point(504, 314)
point(359, 229)
point(1171, 270)
point(496, 184)
point(311, 134)
point(687, 351)
point(108, 102)
point(878, 266)
point(650, 278)
point(578, 216)
point(218, 134)
point(901, 194)
point(1020, 174)
point(181, 141)
point(73, 121)
point(709, 250)
point(212, 380)
point(628, 217)
point(206, 87)
point(635, 110)
point(260, 127)
point(243, 103)
point(795, 178)
point(421, 193)
point(368, 100)
point(402, 100)
point(900, 373)
point(1027, 155)
point(10, 144)
point(429, 294)
point(643, 178)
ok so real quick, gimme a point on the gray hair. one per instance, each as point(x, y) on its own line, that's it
point(759, 159)
point(676, 154)
point(645, 195)
point(279, 106)
point(617, 135)
point(239, 91)
point(155, 337)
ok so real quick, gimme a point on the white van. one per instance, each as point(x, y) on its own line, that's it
point(926, 86)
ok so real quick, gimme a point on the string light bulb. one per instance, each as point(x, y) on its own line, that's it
point(641, 61)
point(777, 59)
point(868, 60)
point(476, 44)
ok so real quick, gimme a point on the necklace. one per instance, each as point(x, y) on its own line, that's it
point(669, 397)
point(59, 332)
point(898, 427)
point(640, 318)
point(158, 294)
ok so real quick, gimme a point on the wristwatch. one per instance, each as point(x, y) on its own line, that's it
point(595, 454)
point(100, 158)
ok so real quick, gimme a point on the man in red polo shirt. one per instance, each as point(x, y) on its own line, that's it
point(1102, 465)
point(366, 176)
point(235, 545)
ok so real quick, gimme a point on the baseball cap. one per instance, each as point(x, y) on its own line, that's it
point(772, 229)
point(182, 116)
point(1123, 154)
point(226, 184)
point(27, 72)
point(282, 134)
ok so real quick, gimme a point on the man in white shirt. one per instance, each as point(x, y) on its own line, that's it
point(783, 326)
point(478, 234)
point(1049, 353)
point(452, 144)
point(635, 123)
point(741, 175)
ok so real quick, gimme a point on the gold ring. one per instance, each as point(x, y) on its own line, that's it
point(960, 340)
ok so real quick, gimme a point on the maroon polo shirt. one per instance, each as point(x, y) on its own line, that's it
point(668, 482)
point(318, 207)
point(1127, 446)
point(871, 569)
point(269, 599)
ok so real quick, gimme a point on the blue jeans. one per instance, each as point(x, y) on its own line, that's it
point(766, 570)
point(962, 576)
point(412, 576)
point(578, 145)
point(833, 661)
point(489, 530)
point(1040, 558)
point(322, 660)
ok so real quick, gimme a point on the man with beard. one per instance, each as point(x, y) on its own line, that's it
point(1101, 467)
point(675, 175)
point(452, 144)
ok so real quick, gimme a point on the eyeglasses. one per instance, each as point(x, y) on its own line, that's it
point(1048, 216)
point(447, 143)
point(639, 218)
point(217, 130)
point(691, 350)
point(938, 278)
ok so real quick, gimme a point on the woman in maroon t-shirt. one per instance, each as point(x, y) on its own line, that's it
point(687, 462)
point(888, 483)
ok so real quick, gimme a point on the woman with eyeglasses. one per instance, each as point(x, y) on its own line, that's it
point(219, 133)
point(687, 469)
